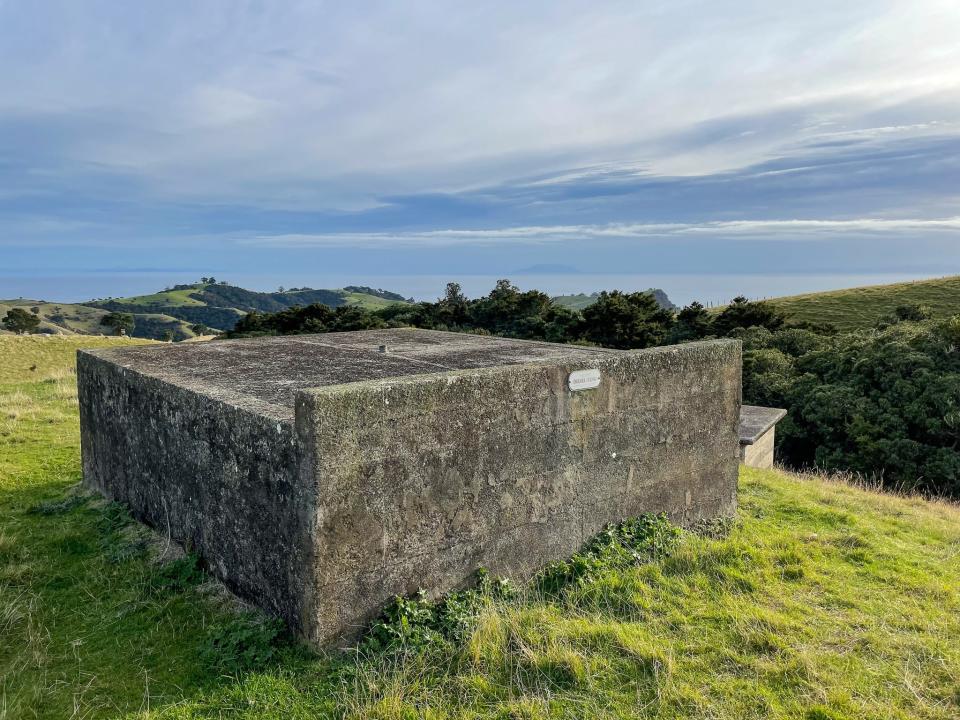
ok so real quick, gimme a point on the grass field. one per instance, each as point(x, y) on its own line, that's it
point(862, 307)
point(823, 602)
point(33, 358)
point(69, 319)
point(364, 300)
point(182, 297)
point(579, 301)
point(179, 297)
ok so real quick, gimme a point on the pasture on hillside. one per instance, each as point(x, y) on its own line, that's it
point(821, 601)
point(862, 307)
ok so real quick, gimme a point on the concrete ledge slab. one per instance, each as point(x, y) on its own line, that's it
point(755, 421)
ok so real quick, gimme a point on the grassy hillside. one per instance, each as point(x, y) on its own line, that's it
point(583, 300)
point(219, 305)
point(70, 319)
point(215, 305)
point(365, 300)
point(576, 302)
point(862, 307)
point(33, 358)
point(823, 602)
point(178, 297)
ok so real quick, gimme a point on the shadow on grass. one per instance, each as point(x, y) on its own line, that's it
point(95, 620)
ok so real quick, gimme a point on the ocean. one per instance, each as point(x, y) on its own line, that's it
point(709, 289)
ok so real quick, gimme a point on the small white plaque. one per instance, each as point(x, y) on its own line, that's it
point(584, 379)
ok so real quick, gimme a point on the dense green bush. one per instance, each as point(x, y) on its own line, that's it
point(633, 320)
point(626, 320)
point(18, 320)
point(884, 403)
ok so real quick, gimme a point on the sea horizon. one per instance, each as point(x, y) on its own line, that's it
point(681, 288)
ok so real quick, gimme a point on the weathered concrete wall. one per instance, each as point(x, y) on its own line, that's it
point(222, 481)
point(421, 480)
point(761, 453)
point(757, 434)
point(321, 512)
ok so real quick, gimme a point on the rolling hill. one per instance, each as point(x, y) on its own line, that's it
point(80, 319)
point(583, 300)
point(861, 307)
point(176, 310)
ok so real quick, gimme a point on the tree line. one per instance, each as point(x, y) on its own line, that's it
point(616, 319)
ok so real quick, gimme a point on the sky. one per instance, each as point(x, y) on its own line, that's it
point(428, 137)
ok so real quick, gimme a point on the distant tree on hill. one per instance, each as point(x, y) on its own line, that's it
point(453, 295)
point(121, 323)
point(452, 308)
point(530, 315)
point(693, 323)
point(376, 292)
point(200, 329)
point(20, 321)
point(626, 320)
point(741, 313)
point(913, 312)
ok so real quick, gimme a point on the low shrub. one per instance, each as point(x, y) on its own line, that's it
point(415, 623)
point(243, 643)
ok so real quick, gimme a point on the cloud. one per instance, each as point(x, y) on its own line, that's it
point(274, 132)
point(772, 230)
point(326, 106)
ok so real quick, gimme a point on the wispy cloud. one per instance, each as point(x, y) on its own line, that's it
point(772, 230)
point(245, 103)
point(500, 124)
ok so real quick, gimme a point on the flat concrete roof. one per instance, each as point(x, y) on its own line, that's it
point(755, 421)
point(264, 374)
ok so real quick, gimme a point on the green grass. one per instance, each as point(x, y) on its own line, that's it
point(33, 358)
point(575, 302)
point(179, 297)
point(182, 298)
point(823, 601)
point(75, 318)
point(369, 302)
point(70, 319)
point(862, 307)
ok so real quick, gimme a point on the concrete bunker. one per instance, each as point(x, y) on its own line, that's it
point(758, 435)
point(320, 475)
